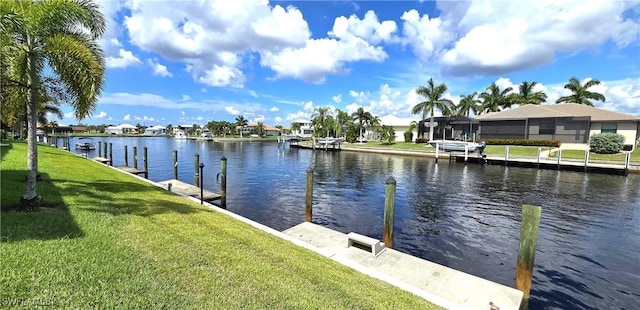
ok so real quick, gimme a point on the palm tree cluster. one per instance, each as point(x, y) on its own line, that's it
point(495, 99)
point(49, 53)
point(329, 123)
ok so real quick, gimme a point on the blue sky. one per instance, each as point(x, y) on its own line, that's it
point(186, 62)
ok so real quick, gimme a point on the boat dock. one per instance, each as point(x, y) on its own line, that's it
point(186, 189)
point(444, 286)
point(102, 160)
point(330, 146)
point(551, 164)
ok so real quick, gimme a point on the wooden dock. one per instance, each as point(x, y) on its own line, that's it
point(102, 160)
point(549, 164)
point(189, 190)
point(131, 170)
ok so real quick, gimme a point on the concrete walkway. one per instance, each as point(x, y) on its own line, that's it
point(441, 285)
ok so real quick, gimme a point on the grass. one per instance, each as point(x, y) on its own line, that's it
point(104, 239)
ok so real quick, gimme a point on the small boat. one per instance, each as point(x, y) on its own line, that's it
point(180, 135)
point(85, 144)
point(328, 140)
point(458, 146)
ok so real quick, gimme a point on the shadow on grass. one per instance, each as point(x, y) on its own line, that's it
point(51, 221)
point(126, 198)
point(4, 149)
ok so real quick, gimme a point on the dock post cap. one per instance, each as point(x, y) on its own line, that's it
point(309, 169)
point(532, 200)
point(391, 180)
point(223, 158)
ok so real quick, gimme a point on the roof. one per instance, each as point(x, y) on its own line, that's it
point(156, 127)
point(557, 110)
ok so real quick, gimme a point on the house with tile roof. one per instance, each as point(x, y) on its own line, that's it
point(567, 123)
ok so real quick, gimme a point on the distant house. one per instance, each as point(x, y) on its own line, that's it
point(268, 130)
point(121, 129)
point(400, 125)
point(79, 128)
point(181, 128)
point(306, 130)
point(448, 128)
point(567, 123)
point(156, 130)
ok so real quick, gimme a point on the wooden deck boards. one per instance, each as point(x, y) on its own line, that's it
point(101, 160)
point(189, 190)
point(130, 169)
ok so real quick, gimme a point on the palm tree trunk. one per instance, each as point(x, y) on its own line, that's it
point(431, 127)
point(31, 193)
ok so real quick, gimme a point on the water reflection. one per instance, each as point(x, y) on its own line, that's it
point(463, 216)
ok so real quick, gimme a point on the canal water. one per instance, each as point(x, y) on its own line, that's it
point(465, 217)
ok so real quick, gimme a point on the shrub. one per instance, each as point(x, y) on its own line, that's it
point(524, 142)
point(606, 143)
point(422, 140)
point(408, 136)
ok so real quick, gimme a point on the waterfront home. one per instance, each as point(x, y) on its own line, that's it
point(400, 125)
point(121, 129)
point(306, 130)
point(156, 130)
point(448, 128)
point(567, 123)
point(268, 130)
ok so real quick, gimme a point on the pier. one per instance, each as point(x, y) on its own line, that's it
point(134, 169)
point(186, 189)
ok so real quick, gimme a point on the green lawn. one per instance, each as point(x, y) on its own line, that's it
point(104, 239)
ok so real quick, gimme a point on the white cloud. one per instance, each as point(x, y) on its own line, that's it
point(127, 117)
point(278, 120)
point(274, 109)
point(212, 36)
point(337, 98)
point(158, 69)
point(100, 115)
point(427, 36)
point(185, 98)
point(70, 114)
point(258, 118)
point(124, 59)
point(232, 110)
point(501, 37)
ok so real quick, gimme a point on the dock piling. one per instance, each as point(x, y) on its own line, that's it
point(308, 211)
point(175, 164)
point(126, 156)
point(223, 183)
point(201, 182)
point(389, 210)
point(506, 155)
point(559, 157)
point(146, 165)
point(538, 158)
point(527, 250)
point(100, 147)
point(110, 153)
point(627, 163)
point(196, 164)
point(586, 159)
point(135, 157)
point(437, 149)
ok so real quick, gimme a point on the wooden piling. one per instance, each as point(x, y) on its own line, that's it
point(201, 166)
point(538, 159)
point(223, 183)
point(308, 208)
point(100, 147)
point(146, 165)
point(559, 157)
point(627, 163)
point(175, 164)
point(196, 174)
point(135, 157)
point(437, 150)
point(110, 153)
point(389, 210)
point(586, 160)
point(126, 156)
point(527, 250)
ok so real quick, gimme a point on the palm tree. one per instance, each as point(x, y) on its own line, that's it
point(322, 121)
point(295, 127)
point(495, 99)
point(527, 95)
point(60, 38)
point(433, 94)
point(362, 117)
point(467, 104)
point(580, 93)
point(260, 129)
point(342, 121)
point(241, 122)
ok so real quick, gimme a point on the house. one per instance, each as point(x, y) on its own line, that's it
point(156, 130)
point(449, 128)
point(181, 128)
point(121, 129)
point(268, 130)
point(400, 125)
point(79, 128)
point(567, 123)
point(306, 130)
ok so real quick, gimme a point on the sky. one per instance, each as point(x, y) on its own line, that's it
point(191, 62)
